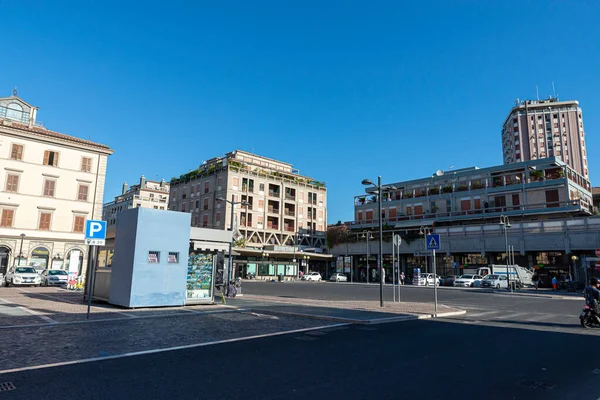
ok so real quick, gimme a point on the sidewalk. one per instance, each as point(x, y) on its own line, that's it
point(356, 312)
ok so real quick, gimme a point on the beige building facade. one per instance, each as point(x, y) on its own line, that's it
point(50, 184)
point(144, 194)
point(283, 208)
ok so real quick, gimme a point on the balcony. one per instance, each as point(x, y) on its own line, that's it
point(290, 197)
point(273, 210)
point(289, 213)
point(274, 193)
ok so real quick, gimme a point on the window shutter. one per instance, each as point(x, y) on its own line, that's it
point(46, 157)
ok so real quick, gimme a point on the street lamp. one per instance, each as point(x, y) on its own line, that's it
point(306, 259)
point(230, 263)
point(505, 224)
point(380, 188)
point(424, 231)
point(264, 254)
point(574, 258)
point(21, 249)
point(367, 235)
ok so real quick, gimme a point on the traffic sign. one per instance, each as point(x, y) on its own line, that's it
point(433, 241)
point(95, 232)
point(598, 265)
point(597, 252)
point(397, 240)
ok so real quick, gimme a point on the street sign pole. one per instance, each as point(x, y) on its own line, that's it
point(435, 283)
point(92, 254)
point(393, 273)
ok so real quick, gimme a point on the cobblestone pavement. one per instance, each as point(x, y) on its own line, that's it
point(42, 326)
point(406, 308)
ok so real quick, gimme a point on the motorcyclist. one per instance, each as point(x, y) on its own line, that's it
point(592, 296)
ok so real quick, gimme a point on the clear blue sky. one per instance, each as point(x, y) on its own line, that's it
point(343, 90)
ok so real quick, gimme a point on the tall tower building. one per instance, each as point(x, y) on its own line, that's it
point(536, 129)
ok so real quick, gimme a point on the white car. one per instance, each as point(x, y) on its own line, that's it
point(468, 280)
point(312, 276)
point(22, 276)
point(426, 280)
point(495, 281)
point(337, 277)
point(54, 277)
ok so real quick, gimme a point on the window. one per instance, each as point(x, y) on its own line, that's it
point(218, 217)
point(205, 207)
point(219, 182)
point(261, 187)
point(79, 223)
point(206, 187)
point(15, 112)
point(45, 219)
point(12, 183)
point(82, 193)
point(16, 152)
point(173, 257)
point(6, 221)
point(49, 187)
point(500, 201)
point(515, 200)
point(205, 221)
point(153, 257)
point(51, 158)
point(197, 203)
point(86, 164)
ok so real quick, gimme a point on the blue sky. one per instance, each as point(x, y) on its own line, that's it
point(343, 90)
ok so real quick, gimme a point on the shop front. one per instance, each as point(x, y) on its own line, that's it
point(40, 257)
point(4, 259)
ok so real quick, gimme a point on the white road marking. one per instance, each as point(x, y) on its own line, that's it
point(75, 302)
point(154, 351)
point(38, 314)
point(540, 317)
point(509, 316)
point(476, 315)
point(5, 301)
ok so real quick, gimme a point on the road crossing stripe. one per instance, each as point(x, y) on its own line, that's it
point(476, 315)
point(510, 316)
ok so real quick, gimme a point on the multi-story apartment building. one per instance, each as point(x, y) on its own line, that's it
point(537, 129)
point(284, 207)
point(537, 189)
point(50, 184)
point(145, 194)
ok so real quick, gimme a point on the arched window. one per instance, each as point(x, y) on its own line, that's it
point(14, 111)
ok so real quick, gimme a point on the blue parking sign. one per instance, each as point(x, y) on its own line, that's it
point(95, 232)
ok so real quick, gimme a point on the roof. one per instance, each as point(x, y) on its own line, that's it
point(40, 131)
point(596, 191)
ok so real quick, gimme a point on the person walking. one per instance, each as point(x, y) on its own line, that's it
point(402, 278)
point(554, 283)
point(536, 280)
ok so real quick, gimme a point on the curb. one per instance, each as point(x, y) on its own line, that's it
point(539, 296)
point(359, 321)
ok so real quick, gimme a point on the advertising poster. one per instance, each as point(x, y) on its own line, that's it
point(417, 272)
point(347, 264)
point(340, 265)
point(199, 276)
point(73, 264)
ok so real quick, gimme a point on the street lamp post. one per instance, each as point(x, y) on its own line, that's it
point(424, 231)
point(380, 188)
point(367, 235)
point(306, 259)
point(264, 254)
point(505, 224)
point(21, 249)
point(574, 258)
point(230, 263)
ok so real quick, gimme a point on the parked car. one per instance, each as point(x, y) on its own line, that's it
point(337, 277)
point(495, 281)
point(312, 276)
point(449, 280)
point(468, 280)
point(54, 277)
point(426, 280)
point(22, 276)
point(1, 279)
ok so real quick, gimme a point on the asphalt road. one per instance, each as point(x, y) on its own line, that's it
point(412, 360)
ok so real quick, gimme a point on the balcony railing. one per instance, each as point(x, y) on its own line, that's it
point(290, 213)
point(289, 229)
point(273, 210)
point(491, 211)
point(273, 193)
point(290, 197)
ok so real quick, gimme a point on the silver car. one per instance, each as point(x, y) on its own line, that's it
point(337, 277)
point(54, 277)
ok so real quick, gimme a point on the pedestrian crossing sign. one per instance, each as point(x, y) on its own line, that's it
point(433, 242)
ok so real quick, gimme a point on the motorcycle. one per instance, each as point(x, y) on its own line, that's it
point(588, 318)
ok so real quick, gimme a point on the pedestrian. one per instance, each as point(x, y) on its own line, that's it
point(363, 276)
point(536, 280)
point(554, 283)
point(231, 290)
point(402, 278)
